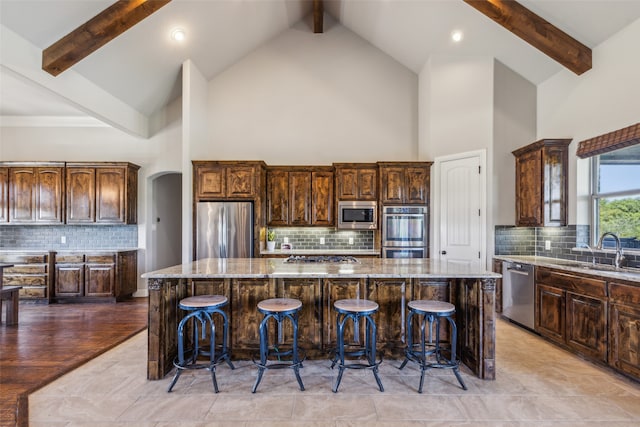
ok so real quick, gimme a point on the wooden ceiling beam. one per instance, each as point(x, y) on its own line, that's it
point(538, 32)
point(318, 16)
point(95, 33)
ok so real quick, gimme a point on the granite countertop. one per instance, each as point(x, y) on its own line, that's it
point(277, 268)
point(353, 252)
point(599, 270)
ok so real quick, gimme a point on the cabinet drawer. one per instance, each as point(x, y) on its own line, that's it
point(72, 258)
point(26, 269)
point(624, 294)
point(101, 259)
point(24, 259)
point(33, 292)
point(572, 282)
point(24, 280)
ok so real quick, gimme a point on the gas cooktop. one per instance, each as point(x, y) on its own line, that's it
point(322, 259)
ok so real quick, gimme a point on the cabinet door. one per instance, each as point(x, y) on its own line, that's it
point(81, 195)
point(431, 290)
point(322, 197)
point(554, 203)
point(624, 338)
point(367, 184)
point(69, 280)
point(550, 312)
point(127, 277)
point(417, 185)
point(347, 184)
point(529, 189)
point(240, 181)
point(4, 194)
point(210, 181)
point(392, 185)
point(278, 198)
point(245, 317)
point(392, 295)
point(22, 194)
point(49, 195)
point(333, 290)
point(110, 195)
point(310, 316)
point(586, 325)
point(300, 198)
point(99, 280)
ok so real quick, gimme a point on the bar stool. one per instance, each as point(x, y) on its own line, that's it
point(430, 356)
point(355, 355)
point(201, 309)
point(272, 357)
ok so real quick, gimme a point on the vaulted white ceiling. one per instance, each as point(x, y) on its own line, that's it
point(141, 68)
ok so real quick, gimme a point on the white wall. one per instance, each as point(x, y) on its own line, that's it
point(602, 100)
point(306, 98)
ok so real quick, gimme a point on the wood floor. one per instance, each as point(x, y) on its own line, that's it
point(51, 340)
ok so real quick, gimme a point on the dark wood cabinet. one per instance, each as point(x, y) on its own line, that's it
point(300, 196)
point(497, 268)
point(4, 194)
point(104, 276)
point(101, 193)
point(541, 183)
point(405, 183)
point(310, 316)
point(356, 181)
point(332, 290)
point(226, 179)
point(35, 194)
point(624, 328)
point(571, 309)
point(245, 317)
point(34, 271)
point(392, 296)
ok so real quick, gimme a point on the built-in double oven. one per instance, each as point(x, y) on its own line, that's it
point(405, 232)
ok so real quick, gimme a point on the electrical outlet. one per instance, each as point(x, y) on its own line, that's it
point(63, 239)
point(285, 239)
point(547, 245)
point(351, 240)
point(322, 240)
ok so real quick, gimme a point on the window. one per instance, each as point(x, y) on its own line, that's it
point(616, 196)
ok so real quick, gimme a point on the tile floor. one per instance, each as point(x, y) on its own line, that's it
point(537, 385)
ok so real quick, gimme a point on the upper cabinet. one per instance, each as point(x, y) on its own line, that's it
point(541, 183)
point(356, 181)
point(31, 193)
point(101, 193)
point(300, 196)
point(226, 179)
point(404, 183)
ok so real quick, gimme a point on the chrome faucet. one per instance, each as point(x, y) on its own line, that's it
point(593, 255)
point(620, 259)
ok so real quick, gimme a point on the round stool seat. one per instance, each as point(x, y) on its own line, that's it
point(202, 301)
point(361, 306)
point(429, 306)
point(279, 305)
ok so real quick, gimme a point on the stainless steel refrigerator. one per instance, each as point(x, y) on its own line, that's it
point(224, 230)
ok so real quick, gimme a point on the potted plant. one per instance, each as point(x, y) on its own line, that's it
point(271, 240)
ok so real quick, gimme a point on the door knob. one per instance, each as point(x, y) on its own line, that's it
point(443, 252)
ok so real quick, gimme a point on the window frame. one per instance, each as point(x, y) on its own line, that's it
point(595, 197)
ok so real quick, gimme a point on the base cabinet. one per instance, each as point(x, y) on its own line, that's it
point(571, 310)
point(34, 271)
point(624, 328)
point(109, 276)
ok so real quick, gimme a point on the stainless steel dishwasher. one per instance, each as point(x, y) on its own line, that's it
point(518, 293)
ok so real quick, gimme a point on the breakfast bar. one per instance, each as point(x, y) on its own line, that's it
point(392, 283)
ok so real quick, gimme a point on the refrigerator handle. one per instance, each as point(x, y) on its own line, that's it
point(225, 234)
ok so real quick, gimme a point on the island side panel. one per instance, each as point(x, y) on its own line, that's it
point(164, 296)
point(488, 325)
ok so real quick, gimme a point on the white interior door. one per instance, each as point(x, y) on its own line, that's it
point(461, 210)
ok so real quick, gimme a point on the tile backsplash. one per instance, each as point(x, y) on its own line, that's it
point(564, 242)
point(309, 238)
point(50, 237)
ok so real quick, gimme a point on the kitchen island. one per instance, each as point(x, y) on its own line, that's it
point(392, 283)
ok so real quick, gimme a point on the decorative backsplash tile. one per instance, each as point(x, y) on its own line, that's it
point(309, 238)
point(564, 242)
point(49, 237)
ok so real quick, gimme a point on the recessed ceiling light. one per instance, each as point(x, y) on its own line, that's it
point(457, 36)
point(178, 34)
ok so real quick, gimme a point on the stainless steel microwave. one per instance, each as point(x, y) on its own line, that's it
point(358, 215)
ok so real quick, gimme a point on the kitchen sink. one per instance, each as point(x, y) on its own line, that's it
point(598, 267)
